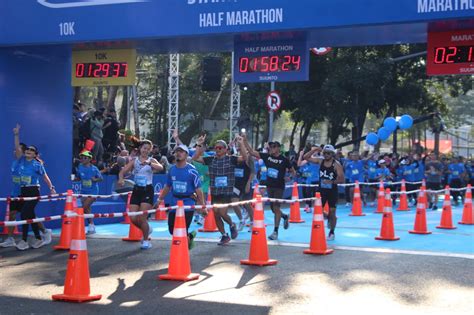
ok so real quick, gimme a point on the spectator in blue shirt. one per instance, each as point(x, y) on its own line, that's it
point(457, 172)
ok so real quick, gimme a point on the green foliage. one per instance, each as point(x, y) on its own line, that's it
point(222, 135)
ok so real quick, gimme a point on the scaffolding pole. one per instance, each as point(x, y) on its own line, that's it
point(173, 99)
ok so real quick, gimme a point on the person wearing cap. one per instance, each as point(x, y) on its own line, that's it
point(354, 171)
point(89, 176)
point(277, 166)
point(456, 173)
point(331, 174)
point(142, 168)
point(31, 169)
point(184, 182)
point(383, 173)
point(222, 174)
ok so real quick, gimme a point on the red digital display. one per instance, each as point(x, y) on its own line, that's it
point(266, 64)
point(450, 53)
point(102, 70)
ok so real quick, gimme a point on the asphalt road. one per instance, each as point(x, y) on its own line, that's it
point(346, 282)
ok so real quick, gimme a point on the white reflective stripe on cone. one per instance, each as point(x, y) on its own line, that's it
point(69, 198)
point(78, 245)
point(179, 232)
point(318, 217)
point(356, 195)
point(180, 212)
point(258, 224)
point(387, 209)
point(446, 203)
point(69, 212)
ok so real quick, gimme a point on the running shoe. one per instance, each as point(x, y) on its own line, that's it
point(434, 208)
point(348, 204)
point(286, 222)
point(233, 231)
point(224, 240)
point(331, 237)
point(250, 226)
point(37, 243)
point(273, 236)
point(47, 236)
point(91, 229)
point(306, 209)
point(22, 245)
point(146, 245)
point(9, 242)
point(241, 225)
point(191, 243)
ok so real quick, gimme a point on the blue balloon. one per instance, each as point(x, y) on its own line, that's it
point(372, 138)
point(405, 122)
point(383, 133)
point(390, 123)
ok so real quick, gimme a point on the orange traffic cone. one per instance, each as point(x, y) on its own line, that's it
point(357, 202)
point(179, 267)
point(387, 231)
point(76, 285)
point(467, 214)
point(134, 234)
point(127, 209)
point(7, 218)
point(318, 245)
point(420, 219)
point(67, 225)
point(210, 219)
point(160, 214)
point(380, 199)
point(446, 215)
point(258, 254)
point(295, 215)
point(403, 205)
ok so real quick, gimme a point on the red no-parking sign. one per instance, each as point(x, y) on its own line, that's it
point(273, 101)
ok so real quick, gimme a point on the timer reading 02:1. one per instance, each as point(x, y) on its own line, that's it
point(276, 63)
point(453, 54)
point(102, 70)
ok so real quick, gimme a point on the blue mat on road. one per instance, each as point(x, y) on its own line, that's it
point(350, 231)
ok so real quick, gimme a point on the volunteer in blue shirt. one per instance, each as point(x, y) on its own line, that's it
point(457, 172)
point(383, 173)
point(89, 176)
point(185, 184)
point(354, 171)
point(310, 176)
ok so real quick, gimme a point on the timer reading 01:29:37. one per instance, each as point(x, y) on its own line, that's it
point(102, 70)
point(453, 54)
point(276, 63)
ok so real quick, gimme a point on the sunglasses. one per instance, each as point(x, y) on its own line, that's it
point(31, 149)
point(328, 153)
point(274, 146)
point(84, 157)
point(219, 148)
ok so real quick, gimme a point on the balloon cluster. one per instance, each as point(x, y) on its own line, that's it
point(390, 124)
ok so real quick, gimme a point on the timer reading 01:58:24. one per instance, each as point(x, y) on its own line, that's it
point(276, 63)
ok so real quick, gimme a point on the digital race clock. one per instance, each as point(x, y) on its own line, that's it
point(103, 67)
point(450, 53)
point(267, 61)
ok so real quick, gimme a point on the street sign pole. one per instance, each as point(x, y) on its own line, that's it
point(270, 124)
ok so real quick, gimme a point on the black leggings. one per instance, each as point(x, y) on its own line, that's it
point(308, 192)
point(28, 210)
point(188, 215)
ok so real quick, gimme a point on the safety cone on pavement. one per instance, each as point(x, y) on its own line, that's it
point(318, 244)
point(179, 267)
point(380, 199)
point(258, 254)
point(447, 214)
point(160, 214)
point(77, 282)
point(7, 218)
point(357, 202)
point(67, 224)
point(387, 231)
point(420, 218)
point(209, 220)
point(134, 234)
point(403, 205)
point(127, 209)
point(295, 211)
point(467, 214)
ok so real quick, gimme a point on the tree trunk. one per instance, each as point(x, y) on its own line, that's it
point(100, 97)
point(257, 133)
point(112, 94)
point(123, 110)
point(304, 137)
point(293, 131)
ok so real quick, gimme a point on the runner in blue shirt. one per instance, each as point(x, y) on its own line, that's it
point(457, 172)
point(185, 184)
point(89, 176)
point(354, 171)
point(310, 176)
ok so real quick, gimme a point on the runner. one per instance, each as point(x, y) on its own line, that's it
point(244, 175)
point(457, 172)
point(310, 176)
point(142, 168)
point(330, 174)
point(89, 176)
point(222, 174)
point(277, 165)
point(434, 177)
point(184, 182)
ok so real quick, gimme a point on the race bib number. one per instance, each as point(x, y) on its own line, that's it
point(221, 181)
point(372, 170)
point(16, 180)
point(455, 173)
point(180, 187)
point(140, 181)
point(326, 185)
point(239, 172)
point(307, 174)
point(26, 180)
point(272, 173)
point(87, 183)
point(355, 171)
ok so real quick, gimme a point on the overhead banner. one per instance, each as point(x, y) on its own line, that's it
point(68, 21)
